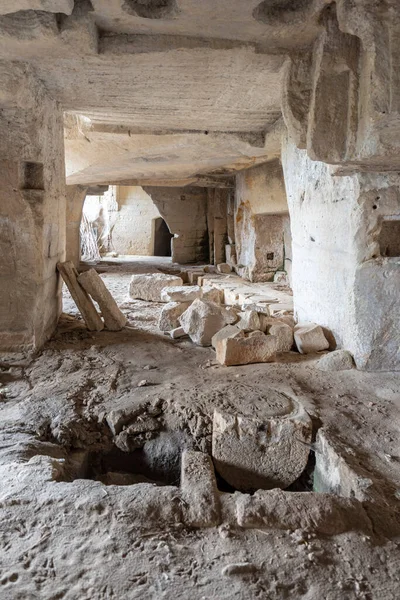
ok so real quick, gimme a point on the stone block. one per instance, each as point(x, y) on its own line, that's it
point(226, 332)
point(310, 338)
point(262, 449)
point(176, 333)
point(257, 348)
point(339, 360)
point(199, 492)
point(284, 336)
point(324, 514)
point(93, 284)
point(213, 294)
point(181, 293)
point(249, 320)
point(193, 276)
point(203, 319)
point(224, 268)
point(148, 286)
point(170, 313)
point(230, 254)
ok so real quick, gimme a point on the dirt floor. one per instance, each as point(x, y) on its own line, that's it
point(81, 539)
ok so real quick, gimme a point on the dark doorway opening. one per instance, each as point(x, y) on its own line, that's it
point(162, 238)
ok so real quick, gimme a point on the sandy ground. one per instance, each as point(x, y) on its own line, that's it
point(83, 540)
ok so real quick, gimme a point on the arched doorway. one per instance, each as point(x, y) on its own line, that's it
point(162, 238)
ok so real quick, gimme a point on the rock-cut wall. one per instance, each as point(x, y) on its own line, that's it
point(32, 209)
point(185, 212)
point(346, 275)
point(261, 217)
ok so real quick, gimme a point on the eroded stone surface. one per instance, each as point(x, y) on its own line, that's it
point(260, 450)
point(203, 319)
point(149, 286)
point(256, 348)
point(182, 293)
point(170, 313)
point(310, 338)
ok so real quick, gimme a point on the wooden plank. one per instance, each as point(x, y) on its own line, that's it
point(81, 298)
point(91, 281)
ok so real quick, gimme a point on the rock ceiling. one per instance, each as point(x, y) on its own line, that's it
point(158, 90)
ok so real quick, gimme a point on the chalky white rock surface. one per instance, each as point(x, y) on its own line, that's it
point(148, 286)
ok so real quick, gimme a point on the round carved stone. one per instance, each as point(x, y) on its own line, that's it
point(263, 445)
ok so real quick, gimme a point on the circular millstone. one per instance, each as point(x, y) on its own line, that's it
point(262, 445)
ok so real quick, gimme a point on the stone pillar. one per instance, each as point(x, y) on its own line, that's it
point(261, 216)
point(32, 209)
point(346, 248)
point(76, 195)
point(220, 224)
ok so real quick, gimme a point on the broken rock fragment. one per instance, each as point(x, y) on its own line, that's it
point(249, 320)
point(310, 338)
point(255, 348)
point(148, 286)
point(199, 491)
point(226, 332)
point(224, 268)
point(264, 450)
point(339, 360)
point(170, 313)
point(203, 319)
point(284, 336)
point(93, 284)
point(181, 293)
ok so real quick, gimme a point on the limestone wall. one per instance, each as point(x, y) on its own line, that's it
point(33, 210)
point(261, 214)
point(340, 278)
point(133, 231)
point(184, 210)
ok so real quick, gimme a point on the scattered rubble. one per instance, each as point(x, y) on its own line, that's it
point(203, 319)
point(182, 293)
point(170, 313)
point(224, 268)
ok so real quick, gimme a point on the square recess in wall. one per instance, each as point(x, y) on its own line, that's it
point(270, 256)
point(32, 176)
point(389, 237)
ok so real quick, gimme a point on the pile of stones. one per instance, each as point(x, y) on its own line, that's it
point(239, 335)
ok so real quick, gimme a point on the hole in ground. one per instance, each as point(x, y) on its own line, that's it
point(128, 468)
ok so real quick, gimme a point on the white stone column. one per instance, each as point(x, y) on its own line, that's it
point(32, 209)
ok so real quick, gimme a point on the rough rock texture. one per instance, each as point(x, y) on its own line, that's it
point(256, 348)
point(149, 286)
point(249, 320)
point(339, 360)
point(213, 294)
point(226, 332)
point(261, 450)
point(310, 338)
point(81, 297)
point(203, 319)
point(32, 201)
point(92, 283)
point(181, 293)
point(341, 276)
point(224, 268)
point(334, 471)
point(201, 505)
point(76, 195)
point(330, 515)
point(260, 218)
point(170, 313)
point(284, 336)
